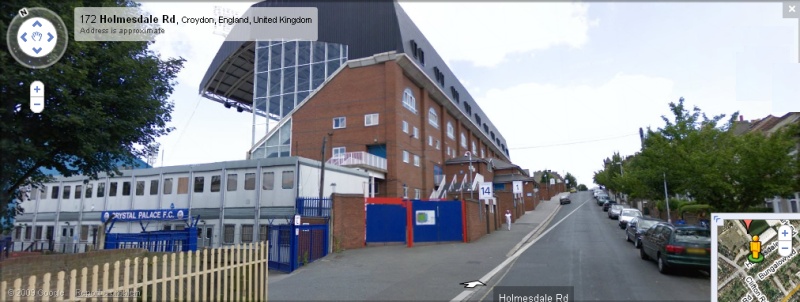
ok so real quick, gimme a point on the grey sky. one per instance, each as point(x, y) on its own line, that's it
point(551, 75)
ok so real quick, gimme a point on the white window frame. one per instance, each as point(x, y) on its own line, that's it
point(405, 126)
point(416, 160)
point(405, 192)
point(433, 118)
point(483, 152)
point(430, 140)
point(416, 132)
point(406, 156)
point(463, 140)
point(343, 124)
point(342, 151)
point(417, 194)
point(451, 131)
point(438, 145)
point(371, 119)
point(448, 151)
point(474, 148)
point(409, 101)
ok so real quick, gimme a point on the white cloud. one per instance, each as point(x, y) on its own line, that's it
point(573, 127)
point(488, 32)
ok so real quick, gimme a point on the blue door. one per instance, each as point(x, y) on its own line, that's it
point(386, 223)
point(377, 150)
point(436, 221)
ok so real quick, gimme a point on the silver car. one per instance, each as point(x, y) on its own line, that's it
point(614, 211)
point(626, 215)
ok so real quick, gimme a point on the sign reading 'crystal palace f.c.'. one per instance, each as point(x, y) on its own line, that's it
point(138, 215)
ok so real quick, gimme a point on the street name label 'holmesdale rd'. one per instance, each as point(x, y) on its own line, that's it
point(136, 24)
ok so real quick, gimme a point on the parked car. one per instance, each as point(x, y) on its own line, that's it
point(614, 211)
point(564, 199)
point(601, 200)
point(626, 216)
point(636, 228)
point(677, 246)
point(607, 204)
point(573, 190)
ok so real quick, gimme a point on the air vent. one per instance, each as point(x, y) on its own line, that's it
point(414, 48)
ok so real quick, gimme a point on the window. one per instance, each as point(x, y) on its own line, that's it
point(66, 192)
point(417, 193)
point(101, 189)
point(438, 145)
point(38, 233)
point(88, 191)
point(451, 132)
point(338, 152)
point(483, 152)
point(263, 233)
point(405, 156)
point(167, 227)
point(199, 182)
point(268, 181)
point(421, 57)
point(371, 119)
point(405, 191)
point(167, 186)
point(463, 140)
point(433, 118)
point(478, 119)
point(416, 160)
point(140, 188)
point(126, 188)
point(409, 101)
point(247, 233)
point(467, 108)
point(448, 151)
point(183, 185)
point(216, 183)
point(18, 233)
point(414, 48)
point(84, 233)
point(339, 122)
point(485, 128)
point(416, 132)
point(474, 148)
point(78, 191)
point(228, 234)
point(454, 93)
point(232, 182)
point(28, 233)
point(249, 181)
point(154, 187)
point(439, 75)
point(405, 126)
point(288, 180)
point(430, 140)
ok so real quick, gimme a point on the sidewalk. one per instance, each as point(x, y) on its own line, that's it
point(425, 272)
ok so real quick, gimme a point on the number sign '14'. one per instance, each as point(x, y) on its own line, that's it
point(486, 191)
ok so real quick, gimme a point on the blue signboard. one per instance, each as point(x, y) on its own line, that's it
point(140, 215)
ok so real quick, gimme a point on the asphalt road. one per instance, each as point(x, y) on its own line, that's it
point(587, 251)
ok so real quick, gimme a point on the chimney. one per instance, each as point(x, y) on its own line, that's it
point(741, 118)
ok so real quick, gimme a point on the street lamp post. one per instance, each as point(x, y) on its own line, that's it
point(666, 198)
point(471, 192)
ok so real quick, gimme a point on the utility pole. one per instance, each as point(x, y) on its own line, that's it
point(322, 170)
point(666, 198)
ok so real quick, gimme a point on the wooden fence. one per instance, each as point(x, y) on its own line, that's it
point(234, 273)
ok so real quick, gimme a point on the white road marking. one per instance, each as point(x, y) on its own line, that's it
point(485, 279)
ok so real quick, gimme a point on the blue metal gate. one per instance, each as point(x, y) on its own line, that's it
point(155, 241)
point(437, 221)
point(292, 246)
point(386, 223)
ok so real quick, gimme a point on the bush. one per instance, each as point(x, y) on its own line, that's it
point(759, 210)
point(696, 208)
point(674, 204)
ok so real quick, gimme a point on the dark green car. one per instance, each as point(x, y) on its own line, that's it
point(601, 199)
point(677, 246)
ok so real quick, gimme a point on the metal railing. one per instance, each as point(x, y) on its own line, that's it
point(358, 159)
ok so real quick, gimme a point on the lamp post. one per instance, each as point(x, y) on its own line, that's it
point(666, 198)
point(471, 193)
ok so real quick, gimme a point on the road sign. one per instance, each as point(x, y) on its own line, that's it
point(297, 219)
point(517, 187)
point(486, 191)
point(552, 181)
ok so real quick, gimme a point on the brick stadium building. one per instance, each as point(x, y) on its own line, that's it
point(374, 92)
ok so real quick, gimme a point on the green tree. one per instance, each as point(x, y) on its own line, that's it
point(572, 182)
point(582, 187)
point(106, 102)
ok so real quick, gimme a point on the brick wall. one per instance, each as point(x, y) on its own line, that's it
point(476, 221)
point(505, 200)
point(348, 221)
point(41, 264)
